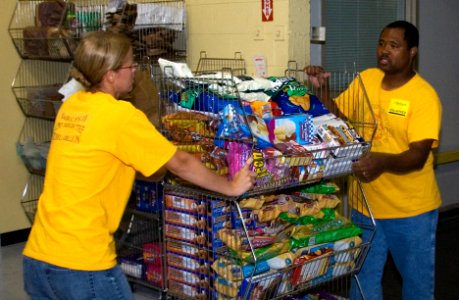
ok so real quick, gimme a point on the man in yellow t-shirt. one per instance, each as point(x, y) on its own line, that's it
point(397, 174)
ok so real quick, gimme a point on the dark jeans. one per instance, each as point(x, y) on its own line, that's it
point(411, 242)
point(45, 281)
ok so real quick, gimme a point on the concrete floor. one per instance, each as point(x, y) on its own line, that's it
point(447, 267)
point(11, 283)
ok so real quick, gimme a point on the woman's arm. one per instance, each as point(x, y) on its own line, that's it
point(187, 167)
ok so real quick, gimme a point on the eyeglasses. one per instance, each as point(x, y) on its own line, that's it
point(134, 66)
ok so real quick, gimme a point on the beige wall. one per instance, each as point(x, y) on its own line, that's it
point(221, 28)
point(13, 174)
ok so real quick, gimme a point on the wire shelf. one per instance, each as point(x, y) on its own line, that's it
point(140, 247)
point(33, 144)
point(30, 195)
point(37, 29)
point(209, 65)
point(215, 248)
point(156, 28)
point(36, 87)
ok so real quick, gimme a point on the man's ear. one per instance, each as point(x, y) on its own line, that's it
point(413, 51)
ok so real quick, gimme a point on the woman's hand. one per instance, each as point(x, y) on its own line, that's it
point(244, 179)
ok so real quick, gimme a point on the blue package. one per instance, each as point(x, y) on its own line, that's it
point(261, 267)
point(233, 124)
point(209, 102)
point(316, 107)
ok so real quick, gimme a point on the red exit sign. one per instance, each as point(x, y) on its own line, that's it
point(267, 10)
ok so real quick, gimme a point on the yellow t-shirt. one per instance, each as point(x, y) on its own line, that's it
point(408, 114)
point(98, 143)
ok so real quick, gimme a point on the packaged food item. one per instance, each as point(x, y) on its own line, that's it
point(235, 272)
point(265, 109)
point(189, 126)
point(259, 129)
point(232, 123)
point(303, 236)
point(295, 99)
point(42, 42)
point(50, 12)
point(281, 261)
point(298, 128)
point(322, 187)
point(226, 287)
point(310, 266)
point(260, 287)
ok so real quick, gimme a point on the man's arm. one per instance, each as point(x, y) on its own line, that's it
point(373, 164)
point(319, 79)
point(187, 167)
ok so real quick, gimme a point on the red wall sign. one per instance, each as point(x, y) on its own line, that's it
point(267, 10)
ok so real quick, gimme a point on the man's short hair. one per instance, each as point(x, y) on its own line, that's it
point(411, 32)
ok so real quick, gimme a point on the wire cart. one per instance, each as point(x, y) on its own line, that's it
point(293, 234)
point(139, 238)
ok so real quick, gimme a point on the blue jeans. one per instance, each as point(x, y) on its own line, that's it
point(45, 281)
point(411, 242)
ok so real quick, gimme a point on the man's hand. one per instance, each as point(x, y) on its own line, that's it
point(371, 165)
point(317, 76)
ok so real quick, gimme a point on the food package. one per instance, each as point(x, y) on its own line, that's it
point(41, 41)
point(298, 128)
point(50, 13)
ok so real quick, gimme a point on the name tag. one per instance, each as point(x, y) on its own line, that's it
point(399, 107)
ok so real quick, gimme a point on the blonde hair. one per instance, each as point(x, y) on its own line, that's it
point(96, 54)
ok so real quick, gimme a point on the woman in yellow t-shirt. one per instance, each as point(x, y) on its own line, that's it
point(98, 144)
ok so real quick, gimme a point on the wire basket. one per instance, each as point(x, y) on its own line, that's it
point(208, 117)
point(157, 28)
point(356, 104)
point(33, 144)
point(37, 29)
point(140, 247)
point(215, 248)
point(36, 87)
point(209, 65)
point(30, 195)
